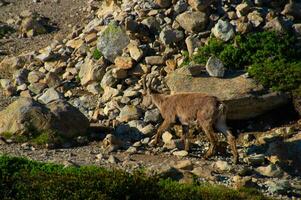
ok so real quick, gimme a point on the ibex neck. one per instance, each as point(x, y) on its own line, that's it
point(157, 99)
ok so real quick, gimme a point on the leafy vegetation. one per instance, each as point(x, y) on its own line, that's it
point(4, 29)
point(24, 179)
point(271, 58)
point(96, 54)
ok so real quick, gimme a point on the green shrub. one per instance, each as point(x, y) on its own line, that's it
point(272, 58)
point(280, 75)
point(24, 179)
point(96, 54)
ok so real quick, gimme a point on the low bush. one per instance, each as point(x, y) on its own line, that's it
point(271, 58)
point(24, 179)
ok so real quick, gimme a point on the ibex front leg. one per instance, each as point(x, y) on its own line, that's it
point(160, 130)
point(185, 132)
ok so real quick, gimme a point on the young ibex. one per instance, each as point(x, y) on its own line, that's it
point(208, 111)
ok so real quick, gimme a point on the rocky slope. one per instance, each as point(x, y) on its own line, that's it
point(97, 69)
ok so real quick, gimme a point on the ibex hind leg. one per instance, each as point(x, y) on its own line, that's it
point(223, 128)
point(212, 140)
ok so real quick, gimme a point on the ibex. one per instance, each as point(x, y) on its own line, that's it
point(208, 111)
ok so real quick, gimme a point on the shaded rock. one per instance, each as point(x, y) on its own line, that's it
point(69, 121)
point(10, 64)
point(223, 30)
point(192, 21)
point(112, 41)
point(204, 172)
point(119, 73)
point(33, 25)
point(256, 160)
point(215, 67)
point(292, 9)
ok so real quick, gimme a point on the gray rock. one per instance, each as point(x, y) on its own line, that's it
point(108, 80)
point(50, 95)
point(215, 67)
point(169, 36)
point(192, 21)
point(93, 88)
point(180, 6)
point(152, 23)
point(223, 30)
point(152, 116)
point(112, 41)
point(69, 121)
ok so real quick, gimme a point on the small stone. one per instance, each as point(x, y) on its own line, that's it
point(124, 62)
point(167, 137)
point(50, 95)
point(163, 3)
point(99, 156)
point(180, 153)
point(112, 159)
point(242, 9)
point(223, 30)
point(215, 67)
point(256, 160)
point(35, 76)
point(154, 60)
point(244, 182)
point(132, 150)
point(119, 73)
point(128, 113)
point(223, 166)
point(135, 52)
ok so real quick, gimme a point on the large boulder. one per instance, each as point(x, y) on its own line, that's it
point(245, 99)
point(112, 41)
point(25, 115)
point(193, 21)
point(69, 121)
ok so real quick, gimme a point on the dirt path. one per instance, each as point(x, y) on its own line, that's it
point(64, 13)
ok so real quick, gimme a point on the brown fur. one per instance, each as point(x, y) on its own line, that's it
point(206, 110)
